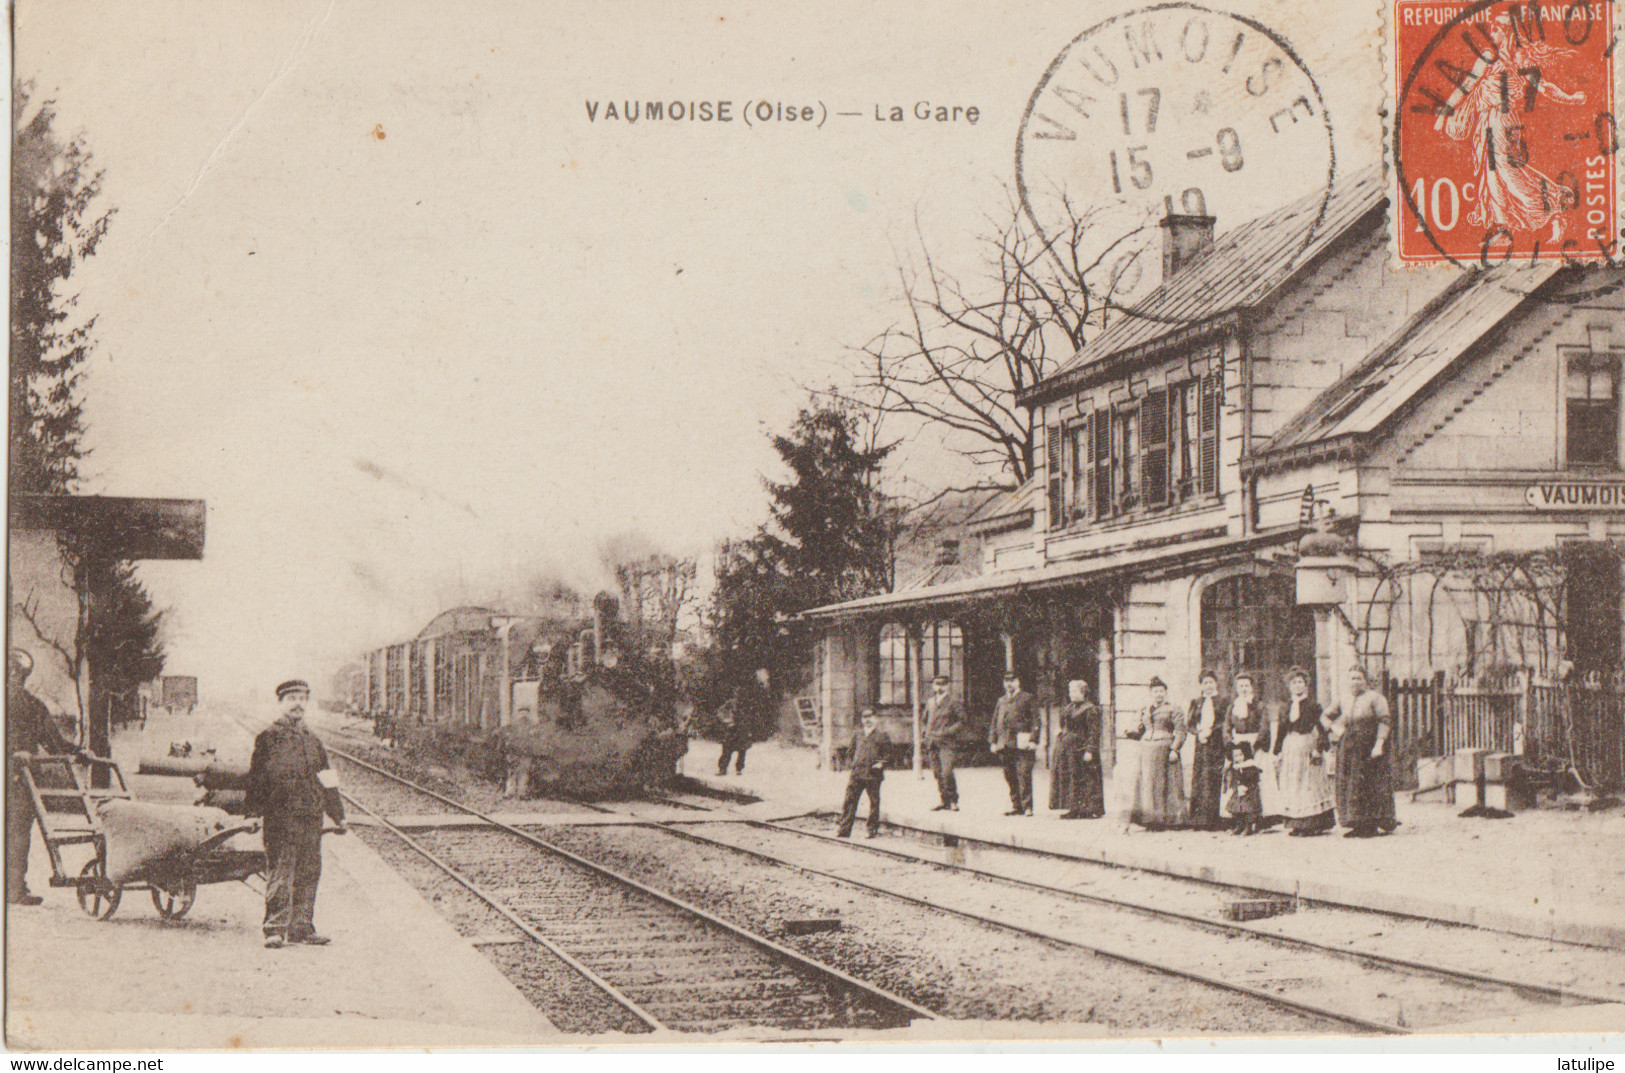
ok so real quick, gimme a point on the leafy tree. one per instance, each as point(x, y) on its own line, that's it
point(54, 227)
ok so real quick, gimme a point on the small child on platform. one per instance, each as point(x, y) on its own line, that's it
point(1243, 804)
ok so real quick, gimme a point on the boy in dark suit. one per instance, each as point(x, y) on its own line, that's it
point(868, 768)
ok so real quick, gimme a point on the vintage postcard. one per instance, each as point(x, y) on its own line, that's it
point(559, 525)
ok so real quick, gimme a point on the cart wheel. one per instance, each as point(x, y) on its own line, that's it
point(97, 897)
point(172, 905)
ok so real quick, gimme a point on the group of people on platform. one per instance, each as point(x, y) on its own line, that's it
point(1250, 768)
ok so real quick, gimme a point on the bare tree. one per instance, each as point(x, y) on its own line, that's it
point(658, 591)
point(963, 350)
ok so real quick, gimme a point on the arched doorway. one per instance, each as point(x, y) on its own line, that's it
point(1253, 622)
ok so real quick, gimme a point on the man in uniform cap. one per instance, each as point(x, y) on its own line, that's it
point(29, 730)
point(291, 785)
point(944, 726)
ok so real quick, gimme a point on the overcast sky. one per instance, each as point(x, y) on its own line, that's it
point(381, 292)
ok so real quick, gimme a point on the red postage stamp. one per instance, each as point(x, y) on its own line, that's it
point(1504, 135)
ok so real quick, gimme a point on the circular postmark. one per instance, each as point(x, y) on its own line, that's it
point(1504, 140)
point(1174, 109)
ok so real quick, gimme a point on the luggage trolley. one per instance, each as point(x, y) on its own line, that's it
point(67, 810)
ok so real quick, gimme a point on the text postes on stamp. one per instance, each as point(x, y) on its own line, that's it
point(1172, 109)
point(1504, 134)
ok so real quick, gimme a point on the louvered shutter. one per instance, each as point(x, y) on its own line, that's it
point(1085, 463)
point(1154, 448)
point(1103, 463)
point(1052, 444)
point(1212, 395)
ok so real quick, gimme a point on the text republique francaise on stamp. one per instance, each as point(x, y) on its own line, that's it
point(1504, 137)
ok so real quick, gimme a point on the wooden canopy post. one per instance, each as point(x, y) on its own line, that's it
point(912, 631)
point(826, 695)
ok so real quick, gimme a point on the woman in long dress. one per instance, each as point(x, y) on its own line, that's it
point(1158, 797)
point(1306, 796)
point(1075, 783)
point(1365, 769)
point(1206, 720)
point(1248, 722)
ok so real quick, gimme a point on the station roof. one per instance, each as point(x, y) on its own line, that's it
point(1076, 573)
point(1245, 267)
point(466, 619)
point(126, 527)
point(1401, 368)
point(1005, 511)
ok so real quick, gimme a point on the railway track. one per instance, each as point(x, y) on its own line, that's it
point(667, 964)
point(1352, 986)
point(1329, 927)
point(1195, 901)
point(1361, 989)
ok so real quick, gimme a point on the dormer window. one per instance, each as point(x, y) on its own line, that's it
point(1591, 390)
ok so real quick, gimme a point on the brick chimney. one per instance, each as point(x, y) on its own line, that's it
point(1188, 237)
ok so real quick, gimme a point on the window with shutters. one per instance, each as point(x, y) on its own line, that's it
point(1079, 465)
point(1126, 459)
point(1154, 448)
point(1184, 438)
point(1156, 452)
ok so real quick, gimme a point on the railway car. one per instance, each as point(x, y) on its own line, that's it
point(601, 701)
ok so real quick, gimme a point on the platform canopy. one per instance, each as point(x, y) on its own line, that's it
point(129, 527)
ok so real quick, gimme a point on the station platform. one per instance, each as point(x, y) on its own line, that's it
point(1545, 873)
point(396, 974)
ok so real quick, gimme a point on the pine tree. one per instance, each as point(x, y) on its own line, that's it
point(831, 530)
point(52, 231)
point(829, 538)
point(54, 228)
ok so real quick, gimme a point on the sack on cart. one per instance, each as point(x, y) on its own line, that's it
point(142, 835)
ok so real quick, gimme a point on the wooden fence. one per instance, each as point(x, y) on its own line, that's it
point(1415, 704)
point(1553, 724)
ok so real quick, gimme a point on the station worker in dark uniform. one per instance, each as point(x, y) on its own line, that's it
point(868, 770)
point(291, 785)
point(30, 730)
point(944, 726)
point(1013, 736)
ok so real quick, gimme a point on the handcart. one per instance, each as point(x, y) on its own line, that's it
point(69, 813)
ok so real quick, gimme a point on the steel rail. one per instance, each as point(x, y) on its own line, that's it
point(1136, 960)
point(481, 893)
point(1527, 988)
point(784, 953)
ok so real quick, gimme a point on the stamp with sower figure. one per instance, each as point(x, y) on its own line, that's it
point(1504, 138)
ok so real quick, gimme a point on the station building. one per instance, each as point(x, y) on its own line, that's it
point(1455, 433)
